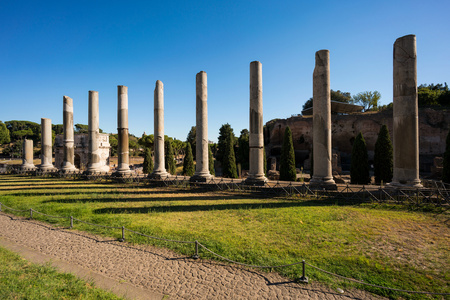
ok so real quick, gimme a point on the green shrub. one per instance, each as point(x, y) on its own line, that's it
point(188, 164)
point(383, 158)
point(147, 167)
point(359, 168)
point(287, 164)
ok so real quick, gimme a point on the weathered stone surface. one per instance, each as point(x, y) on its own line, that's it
point(159, 170)
point(46, 144)
point(322, 121)
point(433, 130)
point(123, 167)
point(256, 135)
point(68, 159)
point(405, 113)
point(94, 164)
point(27, 156)
point(202, 159)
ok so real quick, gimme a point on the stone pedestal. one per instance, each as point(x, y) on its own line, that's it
point(405, 114)
point(27, 156)
point(68, 142)
point(256, 139)
point(94, 165)
point(322, 173)
point(159, 171)
point(46, 143)
point(123, 167)
point(202, 163)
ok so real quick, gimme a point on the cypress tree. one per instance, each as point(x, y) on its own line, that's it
point(446, 164)
point(265, 161)
point(359, 168)
point(243, 152)
point(211, 161)
point(383, 158)
point(169, 160)
point(229, 160)
point(287, 163)
point(147, 167)
point(188, 164)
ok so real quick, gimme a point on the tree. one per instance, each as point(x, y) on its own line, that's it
point(147, 141)
point(359, 167)
point(229, 160)
point(18, 130)
point(169, 160)
point(334, 95)
point(192, 139)
point(114, 143)
point(58, 128)
point(287, 163)
point(383, 158)
point(446, 164)
point(224, 133)
point(243, 151)
point(433, 95)
point(82, 128)
point(367, 99)
point(211, 161)
point(4, 134)
point(188, 164)
point(147, 166)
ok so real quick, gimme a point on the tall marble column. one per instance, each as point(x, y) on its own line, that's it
point(405, 114)
point(256, 137)
point(27, 155)
point(202, 161)
point(159, 170)
point(46, 144)
point(93, 134)
point(322, 173)
point(68, 142)
point(122, 130)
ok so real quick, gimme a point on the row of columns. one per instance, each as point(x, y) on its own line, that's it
point(256, 139)
point(405, 117)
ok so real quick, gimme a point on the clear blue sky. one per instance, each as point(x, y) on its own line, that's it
point(53, 48)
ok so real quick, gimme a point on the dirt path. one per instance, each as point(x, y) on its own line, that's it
point(148, 272)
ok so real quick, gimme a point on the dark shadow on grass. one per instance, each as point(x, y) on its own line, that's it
point(71, 191)
point(227, 206)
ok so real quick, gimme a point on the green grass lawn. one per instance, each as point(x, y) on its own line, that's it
point(20, 279)
point(387, 245)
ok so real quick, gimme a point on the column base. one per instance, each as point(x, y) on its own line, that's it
point(407, 184)
point(256, 180)
point(200, 178)
point(47, 168)
point(122, 173)
point(158, 175)
point(28, 167)
point(321, 183)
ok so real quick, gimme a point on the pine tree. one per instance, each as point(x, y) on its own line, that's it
point(229, 160)
point(383, 158)
point(188, 164)
point(446, 164)
point(169, 160)
point(147, 166)
point(287, 164)
point(359, 167)
point(192, 139)
point(211, 161)
point(243, 152)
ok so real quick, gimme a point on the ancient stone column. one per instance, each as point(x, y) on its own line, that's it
point(322, 173)
point(93, 134)
point(46, 144)
point(122, 130)
point(27, 155)
point(256, 138)
point(405, 114)
point(202, 161)
point(159, 170)
point(68, 141)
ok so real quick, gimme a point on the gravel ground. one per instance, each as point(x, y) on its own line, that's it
point(158, 271)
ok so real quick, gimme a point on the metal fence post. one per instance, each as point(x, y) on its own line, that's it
point(71, 222)
point(303, 279)
point(31, 213)
point(0, 207)
point(123, 234)
point(195, 256)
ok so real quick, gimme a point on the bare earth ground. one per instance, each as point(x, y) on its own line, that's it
point(145, 272)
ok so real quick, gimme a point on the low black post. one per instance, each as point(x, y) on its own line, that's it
point(195, 256)
point(303, 279)
point(123, 234)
